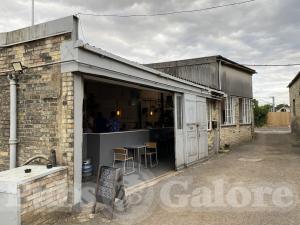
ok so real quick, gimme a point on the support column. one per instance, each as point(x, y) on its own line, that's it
point(78, 132)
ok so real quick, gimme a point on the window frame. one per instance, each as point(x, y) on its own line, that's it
point(230, 118)
point(246, 111)
point(209, 115)
point(294, 107)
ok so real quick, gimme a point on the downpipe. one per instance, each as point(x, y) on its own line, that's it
point(13, 122)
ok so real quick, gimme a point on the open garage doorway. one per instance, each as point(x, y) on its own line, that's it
point(137, 119)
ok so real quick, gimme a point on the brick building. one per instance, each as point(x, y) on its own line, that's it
point(294, 89)
point(45, 94)
point(65, 82)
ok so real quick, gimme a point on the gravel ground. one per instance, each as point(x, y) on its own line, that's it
point(270, 163)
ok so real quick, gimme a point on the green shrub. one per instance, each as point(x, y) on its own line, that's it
point(260, 113)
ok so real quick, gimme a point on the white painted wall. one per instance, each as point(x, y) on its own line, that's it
point(78, 135)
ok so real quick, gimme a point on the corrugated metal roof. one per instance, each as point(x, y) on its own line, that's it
point(202, 60)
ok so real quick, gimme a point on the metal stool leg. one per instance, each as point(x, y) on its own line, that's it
point(133, 170)
point(133, 164)
point(124, 166)
point(146, 158)
point(151, 165)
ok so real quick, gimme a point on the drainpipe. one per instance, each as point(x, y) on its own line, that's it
point(13, 121)
point(220, 106)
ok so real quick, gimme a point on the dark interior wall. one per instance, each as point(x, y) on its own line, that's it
point(109, 98)
point(98, 147)
point(135, 104)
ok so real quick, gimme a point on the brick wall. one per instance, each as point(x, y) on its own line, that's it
point(4, 123)
point(295, 94)
point(43, 196)
point(235, 134)
point(44, 103)
point(66, 127)
point(213, 134)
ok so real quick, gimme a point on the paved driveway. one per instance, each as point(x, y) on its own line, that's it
point(257, 183)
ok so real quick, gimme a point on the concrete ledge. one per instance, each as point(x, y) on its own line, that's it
point(39, 31)
point(10, 179)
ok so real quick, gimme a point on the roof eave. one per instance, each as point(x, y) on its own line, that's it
point(294, 80)
point(98, 51)
point(235, 65)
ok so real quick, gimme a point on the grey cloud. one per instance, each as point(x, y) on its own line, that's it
point(266, 31)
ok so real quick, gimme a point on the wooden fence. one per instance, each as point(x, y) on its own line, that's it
point(279, 119)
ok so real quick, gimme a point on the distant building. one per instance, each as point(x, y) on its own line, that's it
point(294, 89)
point(284, 109)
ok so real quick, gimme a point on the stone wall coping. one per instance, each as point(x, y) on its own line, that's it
point(11, 179)
point(39, 31)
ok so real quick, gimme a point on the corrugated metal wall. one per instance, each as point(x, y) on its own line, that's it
point(236, 83)
point(204, 74)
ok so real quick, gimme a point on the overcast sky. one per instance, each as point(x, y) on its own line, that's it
point(261, 32)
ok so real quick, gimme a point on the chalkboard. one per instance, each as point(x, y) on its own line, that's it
point(109, 185)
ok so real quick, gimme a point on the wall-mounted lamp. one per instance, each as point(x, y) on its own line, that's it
point(18, 67)
point(151, 112)
point(118, 112)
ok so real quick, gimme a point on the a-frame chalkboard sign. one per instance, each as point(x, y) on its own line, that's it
point(109, 187)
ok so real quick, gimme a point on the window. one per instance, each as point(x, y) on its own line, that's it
point(179, 111)
point(228, 111)
point(209, 115)
point(245, 110)
point(294, 107)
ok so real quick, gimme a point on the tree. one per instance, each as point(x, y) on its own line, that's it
point(260, 113)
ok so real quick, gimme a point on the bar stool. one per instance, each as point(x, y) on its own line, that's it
point(121, 155)
point(151, 149)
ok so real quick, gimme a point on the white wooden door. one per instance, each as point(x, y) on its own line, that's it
point(179, 134)
point(196, 138)
point(191, 138)
point(202, 127)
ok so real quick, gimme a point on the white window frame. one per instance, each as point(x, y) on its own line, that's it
point(209, 116)
point(230, 111)
point(246, 111)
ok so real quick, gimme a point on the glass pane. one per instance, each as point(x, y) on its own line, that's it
point(208, 115)
point(179, 112)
